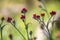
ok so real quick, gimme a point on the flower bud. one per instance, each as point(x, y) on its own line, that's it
point(9, 19)
point(22, 17)
point(52, 13)
point(2, 18)
point(24, 10)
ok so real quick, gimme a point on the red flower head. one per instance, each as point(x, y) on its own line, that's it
point(52, 13)
point(38, 16)
point(34, 16)
point(42, 14)
point(24, 10)
point(22, 17)
point(2, 18)
point(9, 19)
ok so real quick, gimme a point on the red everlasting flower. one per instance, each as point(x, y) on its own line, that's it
point(24, 10)
point(42, 14)
point(38, 16)
point(22, 17)
point(2, 18)
point(52, 13)
point(34, 16)
point(9, 19)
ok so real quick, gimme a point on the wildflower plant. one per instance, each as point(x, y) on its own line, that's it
point(39, 18)
point(2, 26)
point(13, 23)
point(43, 25)
point(23, 18)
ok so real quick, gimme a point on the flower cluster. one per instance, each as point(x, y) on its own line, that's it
point(36, 16)
point(43, 26)
point(23, 17)
point(24, 10)
point(42, 15)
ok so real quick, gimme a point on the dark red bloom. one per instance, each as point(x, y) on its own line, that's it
point(42, 14)
point(22, 17)
point(2, 18)
point(34, 16)
point(24, 10)
point(9, 19)
point(52, 13)
point(38, 16)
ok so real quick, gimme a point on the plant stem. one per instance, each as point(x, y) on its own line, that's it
point(1, 34)
point(19, 31)
point(50, 36)
point(27, 34)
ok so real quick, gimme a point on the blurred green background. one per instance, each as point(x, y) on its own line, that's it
point(13, 7)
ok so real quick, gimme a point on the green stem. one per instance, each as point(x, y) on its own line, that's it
point(48, 22)
point(27, 34)
point(1, 35)
point(50, 35)
point(19, 32)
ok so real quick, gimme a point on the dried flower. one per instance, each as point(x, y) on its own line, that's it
point(42, 26)
point(52, 13)
point(10, 36)
point(35, 38)
point(22, 17)
point(9, 19)
point(30, 32)
point(2, 18)
point(42, 14)
point(24, 10)
point(40, 6)
point(14, 21)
